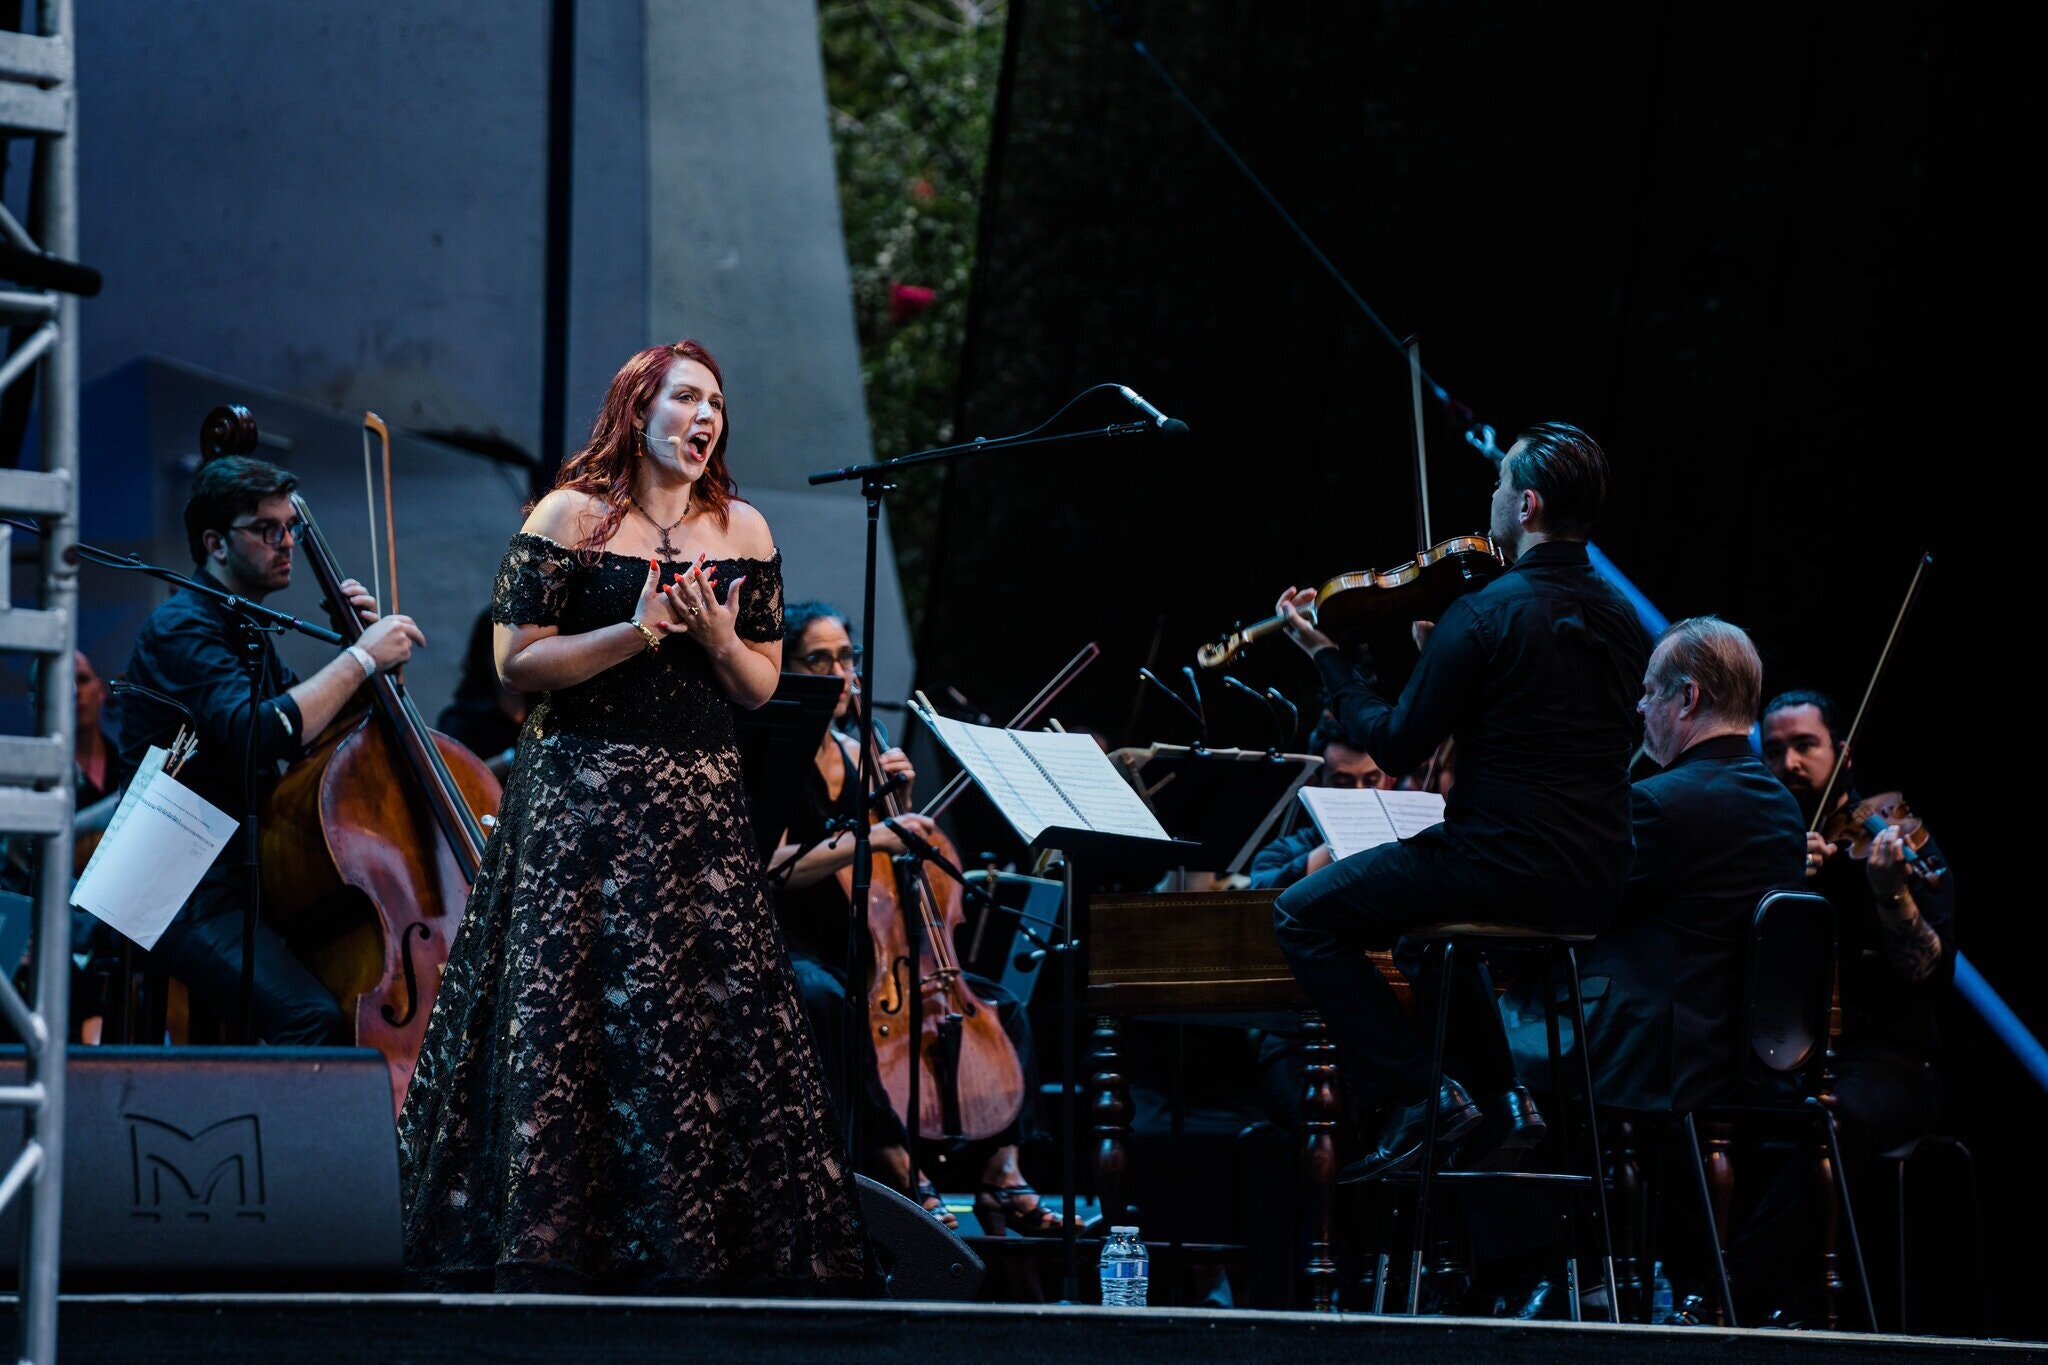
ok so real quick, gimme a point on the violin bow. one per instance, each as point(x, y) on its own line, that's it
point(1033, 709)
point(1884, 656)
point(374, 425)
point(1413, 346)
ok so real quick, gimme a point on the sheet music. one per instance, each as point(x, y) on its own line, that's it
point(1021, 792)
point(1412, 812)
point(1356, 820)
point(1091, 783)
point(159, 844)
point(1040, 780)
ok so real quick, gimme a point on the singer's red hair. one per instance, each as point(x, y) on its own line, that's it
point(604, 467)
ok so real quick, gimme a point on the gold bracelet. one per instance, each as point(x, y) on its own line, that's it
point(647, 633)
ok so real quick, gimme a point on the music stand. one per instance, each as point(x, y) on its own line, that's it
point(777, 742)
point(1222, 799)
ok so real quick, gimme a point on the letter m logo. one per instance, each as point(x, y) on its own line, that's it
point(177, 1174)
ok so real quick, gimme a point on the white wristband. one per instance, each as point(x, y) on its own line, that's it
point(362, 656)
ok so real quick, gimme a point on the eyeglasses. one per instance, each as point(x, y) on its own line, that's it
point(825, 660)
point(272, 533)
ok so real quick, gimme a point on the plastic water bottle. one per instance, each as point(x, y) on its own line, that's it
point(1125, 1269)
point(1660, 1295)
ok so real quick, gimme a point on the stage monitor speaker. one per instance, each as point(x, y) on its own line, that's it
point(921, 1258)
point(223, 1168)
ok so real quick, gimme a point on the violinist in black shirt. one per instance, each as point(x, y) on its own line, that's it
point(241, 527)
point(1536, 676)
point(1897, 937)
point(1896, 940)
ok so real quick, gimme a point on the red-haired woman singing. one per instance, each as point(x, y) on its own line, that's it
point(618, 1090)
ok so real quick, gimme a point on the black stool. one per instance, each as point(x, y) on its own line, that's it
point(1550, 945)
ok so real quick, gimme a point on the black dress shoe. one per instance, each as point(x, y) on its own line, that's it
point(1511, 1127)
point(1401, 1140)
point(1546, 1300)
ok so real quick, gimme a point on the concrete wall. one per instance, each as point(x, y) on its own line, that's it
point(346, 203)
point(344, 206)
point(746, 253)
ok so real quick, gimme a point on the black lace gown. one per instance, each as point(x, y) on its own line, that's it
point(618, 1089)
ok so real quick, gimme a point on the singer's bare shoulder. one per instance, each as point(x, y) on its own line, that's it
point(565, 516)
point(746, 530)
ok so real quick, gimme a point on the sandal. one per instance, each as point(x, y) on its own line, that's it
point(927, 1195)
point(997, 1207)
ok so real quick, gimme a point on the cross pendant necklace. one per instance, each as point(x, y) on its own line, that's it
point(668, 549)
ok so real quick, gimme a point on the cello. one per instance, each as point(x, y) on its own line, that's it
point(970, 1081)
point(370, 844)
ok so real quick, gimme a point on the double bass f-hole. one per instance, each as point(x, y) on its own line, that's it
point(412, 979)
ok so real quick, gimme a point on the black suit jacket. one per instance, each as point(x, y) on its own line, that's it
point(1714, 833)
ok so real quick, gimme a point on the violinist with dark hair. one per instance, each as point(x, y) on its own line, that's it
point(1896, 937)
point(1536, 675)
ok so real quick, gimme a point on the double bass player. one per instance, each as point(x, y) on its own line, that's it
point(241, 528)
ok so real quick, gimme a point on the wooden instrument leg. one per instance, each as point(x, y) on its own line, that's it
point(1823, 1175)
point(1721, 1184)
point(1111, 1103)
point(1319, 1165)
point(1631, 1216)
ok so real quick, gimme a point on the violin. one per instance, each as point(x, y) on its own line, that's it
point(370, 845)
point(970, 1081)
point(1375, 602)
point(1853, 829)
point(1351, 603)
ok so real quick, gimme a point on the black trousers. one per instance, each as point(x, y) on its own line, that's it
point(1326, 922)
point(833, 1015)
point(1883, 1098)
point(203, 948)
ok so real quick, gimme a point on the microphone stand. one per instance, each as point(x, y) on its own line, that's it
point(874, 480)
point(257, 621)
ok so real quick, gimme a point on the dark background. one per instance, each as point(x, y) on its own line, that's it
point(1773, 257)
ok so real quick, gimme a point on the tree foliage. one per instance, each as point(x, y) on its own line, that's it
point(912, 93)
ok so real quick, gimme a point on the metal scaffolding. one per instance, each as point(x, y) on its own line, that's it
point(38, 100)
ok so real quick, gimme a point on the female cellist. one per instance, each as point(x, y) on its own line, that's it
point(815, 858)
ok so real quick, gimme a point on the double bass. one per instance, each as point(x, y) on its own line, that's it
point(370, 844)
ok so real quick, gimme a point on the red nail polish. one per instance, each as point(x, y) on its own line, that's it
point(653, 567)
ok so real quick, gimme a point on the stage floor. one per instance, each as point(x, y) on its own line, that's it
point(420, 1329)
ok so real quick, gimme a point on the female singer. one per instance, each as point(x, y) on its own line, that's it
point(618, 1090)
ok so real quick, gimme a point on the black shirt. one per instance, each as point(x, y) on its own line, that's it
point(1881, 1010)
point(191, 649)
point(1284, 861)
point(814, 917)
point(1537, 675)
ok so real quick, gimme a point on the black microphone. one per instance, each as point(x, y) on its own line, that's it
point(1265, 703)
point(1149, 676)
point(39, 270)
point(1293, 711)
point(1171, 426)
point(120, 685)
point(1196, 689)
